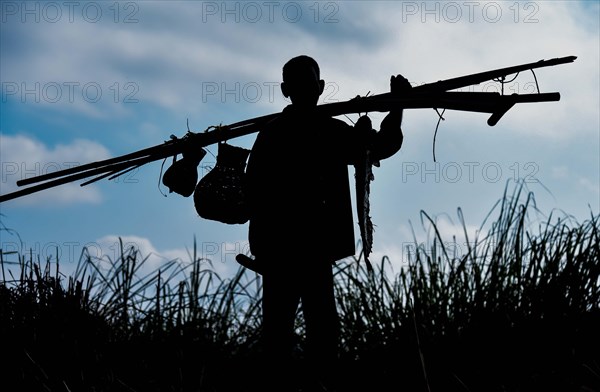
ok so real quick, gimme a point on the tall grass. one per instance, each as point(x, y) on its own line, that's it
point(518, 310)
point(110, 326)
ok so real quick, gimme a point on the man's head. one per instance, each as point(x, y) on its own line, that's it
point(302, 82)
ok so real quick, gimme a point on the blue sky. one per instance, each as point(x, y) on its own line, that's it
point(84, 81)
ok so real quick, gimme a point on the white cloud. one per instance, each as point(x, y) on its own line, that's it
point(397, 254)
point(218, 257)
point(425, 42)
point(25, 157)
point(109, 247)
point(560, 172)
point(590, 186)
point(430, 51)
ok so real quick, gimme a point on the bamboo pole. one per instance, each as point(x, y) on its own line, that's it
point(431, 95)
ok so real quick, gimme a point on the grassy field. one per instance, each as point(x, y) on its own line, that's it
point(518, 311)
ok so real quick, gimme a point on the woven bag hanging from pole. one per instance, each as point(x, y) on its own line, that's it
point(220, 194)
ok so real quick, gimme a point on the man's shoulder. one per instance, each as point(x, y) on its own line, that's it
point(291, 119)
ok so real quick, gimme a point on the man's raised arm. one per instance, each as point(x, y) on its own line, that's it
point(389, 139)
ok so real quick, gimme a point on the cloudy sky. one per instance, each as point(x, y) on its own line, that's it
point(84, 81)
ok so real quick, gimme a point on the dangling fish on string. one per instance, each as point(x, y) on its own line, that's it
point(363, 175)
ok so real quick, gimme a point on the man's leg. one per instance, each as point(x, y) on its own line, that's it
point(322, 324)
point(280, 302)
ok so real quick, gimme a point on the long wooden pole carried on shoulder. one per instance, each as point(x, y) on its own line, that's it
point(432, 95)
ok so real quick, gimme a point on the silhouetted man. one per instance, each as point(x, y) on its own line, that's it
point(300, 209)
